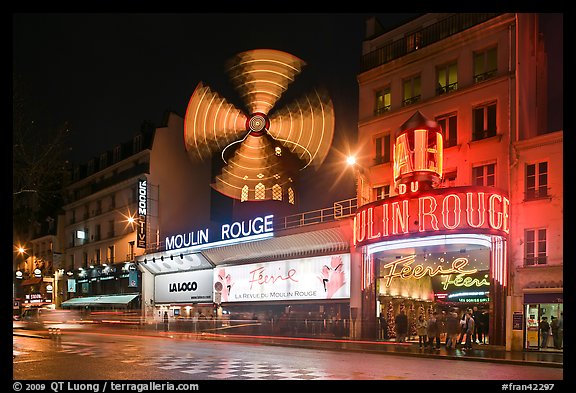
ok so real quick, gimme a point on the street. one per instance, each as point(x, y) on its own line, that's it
point(108, 355)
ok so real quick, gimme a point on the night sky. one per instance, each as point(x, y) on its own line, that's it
point(108, 73)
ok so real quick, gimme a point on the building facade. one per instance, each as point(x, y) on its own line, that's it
point(464, 73)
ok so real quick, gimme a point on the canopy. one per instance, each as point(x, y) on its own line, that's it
point(101, 300)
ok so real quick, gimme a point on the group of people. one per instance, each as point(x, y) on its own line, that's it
point(556, 327)
point(468, 328)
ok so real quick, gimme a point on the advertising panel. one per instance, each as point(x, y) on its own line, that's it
point(184, 287)
point(317, 278)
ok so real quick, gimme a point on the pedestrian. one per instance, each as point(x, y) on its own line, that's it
point(554, 328)
point(401, 325)
point(544, 328)
point(421, 326)
point(452, 330)
point(560, 329)
point(470, 324)
point(165, 321)
point(383, 327)
point(476, 336)
point(433, 331)
point(463, 328)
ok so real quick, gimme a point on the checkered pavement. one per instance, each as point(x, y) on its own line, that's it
point(212, 367)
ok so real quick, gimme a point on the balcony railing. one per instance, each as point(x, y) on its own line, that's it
point(428, 35)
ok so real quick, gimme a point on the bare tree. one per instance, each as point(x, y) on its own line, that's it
point(39, 165)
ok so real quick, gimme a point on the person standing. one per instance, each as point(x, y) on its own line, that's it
point(544, 328)
point(165, 321)
point(470, 324)
point(452, 330)
point(554, 328)
point(463, 327)
point(560, 329)
point(421, 326)
point(383, 327)
point(433, 331)
point(401, 322)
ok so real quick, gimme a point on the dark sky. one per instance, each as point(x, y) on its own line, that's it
point(107, 73)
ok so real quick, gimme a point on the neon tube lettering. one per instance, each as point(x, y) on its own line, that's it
point(446, 211)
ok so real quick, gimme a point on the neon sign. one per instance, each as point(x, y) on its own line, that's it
point(402, 268)
point(229, 233)
point(142, 213)
point(470, 209)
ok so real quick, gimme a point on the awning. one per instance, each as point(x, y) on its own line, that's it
point(102, 300)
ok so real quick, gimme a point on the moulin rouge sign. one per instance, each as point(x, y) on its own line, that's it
point(422, 209)
point(440, 211)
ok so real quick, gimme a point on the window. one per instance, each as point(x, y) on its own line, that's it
point(382, 101)
point(484, 121)
point(381, 192)
point(411, 90)
point(535, 247)
point(448, 179)
point(103, 160)
point(413, 41)
point(447, 78)
point(110, 256)
point(117, 153)
point(244, 196)
point(276, 192)
point(536, 180)
point(131, 250)
point(260, 191)
point(484, 175)
point(485, 64)
point(449, 124)
point(97, 256)
point(290, 195)
point(137, 143)
point(382, 149)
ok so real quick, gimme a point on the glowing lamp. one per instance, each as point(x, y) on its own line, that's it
point(418, 153)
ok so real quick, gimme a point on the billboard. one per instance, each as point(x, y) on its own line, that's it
point(315, 278)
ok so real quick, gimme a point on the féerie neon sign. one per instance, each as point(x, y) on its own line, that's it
point(402, 268)
point(440, 211)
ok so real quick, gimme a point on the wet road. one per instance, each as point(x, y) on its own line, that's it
point(94, 355)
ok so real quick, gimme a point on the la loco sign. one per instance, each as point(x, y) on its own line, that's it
point(439, 211)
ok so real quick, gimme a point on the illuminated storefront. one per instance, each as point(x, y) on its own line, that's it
point(432, 249)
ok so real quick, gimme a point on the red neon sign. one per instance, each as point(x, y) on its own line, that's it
point(439, 211)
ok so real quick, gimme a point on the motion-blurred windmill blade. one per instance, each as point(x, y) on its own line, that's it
point(211, 123)
point(262, 75)
point(306, 127)
point(258, 170)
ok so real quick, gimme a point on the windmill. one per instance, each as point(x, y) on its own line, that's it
point(263, 151)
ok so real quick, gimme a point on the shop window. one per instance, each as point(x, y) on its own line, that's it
point(484, 175)
point(536, 181)
point(447, 78)
point(448, 179)
point(449, 124)
point(485, 64)
point(411, 90)
point(382, 149)
point(535, 247)
point(260, 191)
point(382, 101)
point(244, 196)
point(484, 121)
point(276, 192)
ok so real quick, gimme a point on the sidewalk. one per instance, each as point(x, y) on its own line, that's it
point(480, 353)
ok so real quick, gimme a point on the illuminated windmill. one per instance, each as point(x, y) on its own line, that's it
point(262, 153)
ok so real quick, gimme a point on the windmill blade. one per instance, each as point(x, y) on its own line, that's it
point(262, 75)
point(259, 170)
point(306, 127)
point(211, 123)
